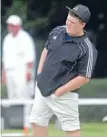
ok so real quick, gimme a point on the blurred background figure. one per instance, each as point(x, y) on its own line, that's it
point(18, 63)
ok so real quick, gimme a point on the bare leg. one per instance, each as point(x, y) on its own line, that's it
point(75, 133)
point(39, 130)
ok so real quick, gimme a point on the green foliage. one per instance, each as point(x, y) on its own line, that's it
point(37, 24)
point(19, 8)
point(3, 93)
point(96, 88)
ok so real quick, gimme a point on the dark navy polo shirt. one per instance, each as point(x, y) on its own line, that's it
point(67, 37)
point(67, 58)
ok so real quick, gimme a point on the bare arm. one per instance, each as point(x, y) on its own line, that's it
point(45, 51)
point(73, 84)
point(42, 60)
point(76, 83)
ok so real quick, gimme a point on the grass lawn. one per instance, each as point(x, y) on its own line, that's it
point(87, 129)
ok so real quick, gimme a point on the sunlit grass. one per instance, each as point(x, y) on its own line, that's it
point(87, 129)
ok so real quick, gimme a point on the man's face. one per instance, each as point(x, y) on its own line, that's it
point(13, 28)
point(74, 26)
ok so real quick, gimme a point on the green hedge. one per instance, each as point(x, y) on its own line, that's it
point(92, 113)
point(97, 88)
point(3, 92)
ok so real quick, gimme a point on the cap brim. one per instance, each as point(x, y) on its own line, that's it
point(71, 10)
point(68, 8)
point(15, 24)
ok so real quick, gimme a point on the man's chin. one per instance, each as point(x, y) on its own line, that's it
point(68, 31)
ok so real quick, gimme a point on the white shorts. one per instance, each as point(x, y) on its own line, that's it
point(17, 87)
point(64, 107)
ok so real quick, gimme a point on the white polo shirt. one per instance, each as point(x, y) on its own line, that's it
point(18, 50)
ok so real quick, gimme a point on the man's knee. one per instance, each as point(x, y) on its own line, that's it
point(70, 126)
point(39, 121)
point(36, 125)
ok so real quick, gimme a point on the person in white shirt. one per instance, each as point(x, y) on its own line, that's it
point(18, 62)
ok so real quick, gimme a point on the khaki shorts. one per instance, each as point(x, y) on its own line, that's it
point(64, 107)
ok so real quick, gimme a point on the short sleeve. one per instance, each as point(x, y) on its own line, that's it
point(2, 54)
point(29, 50)
point(3, 48)
point(53, 33)
point(47, 43)
point(86, 63)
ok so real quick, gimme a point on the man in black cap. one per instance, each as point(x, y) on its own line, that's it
point(66, 64)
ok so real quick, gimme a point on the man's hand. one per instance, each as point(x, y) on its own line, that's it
point(29, 71)
point(28, 76)
point(73, 84)
point(3, 77)
point(60, 91)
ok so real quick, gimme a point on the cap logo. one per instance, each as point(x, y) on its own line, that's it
point(54, 37)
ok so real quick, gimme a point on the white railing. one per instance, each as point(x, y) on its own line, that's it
point(85, 101)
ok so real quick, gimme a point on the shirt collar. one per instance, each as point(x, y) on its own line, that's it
point(76, 39)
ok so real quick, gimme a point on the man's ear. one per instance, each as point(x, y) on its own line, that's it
point(83, 24)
